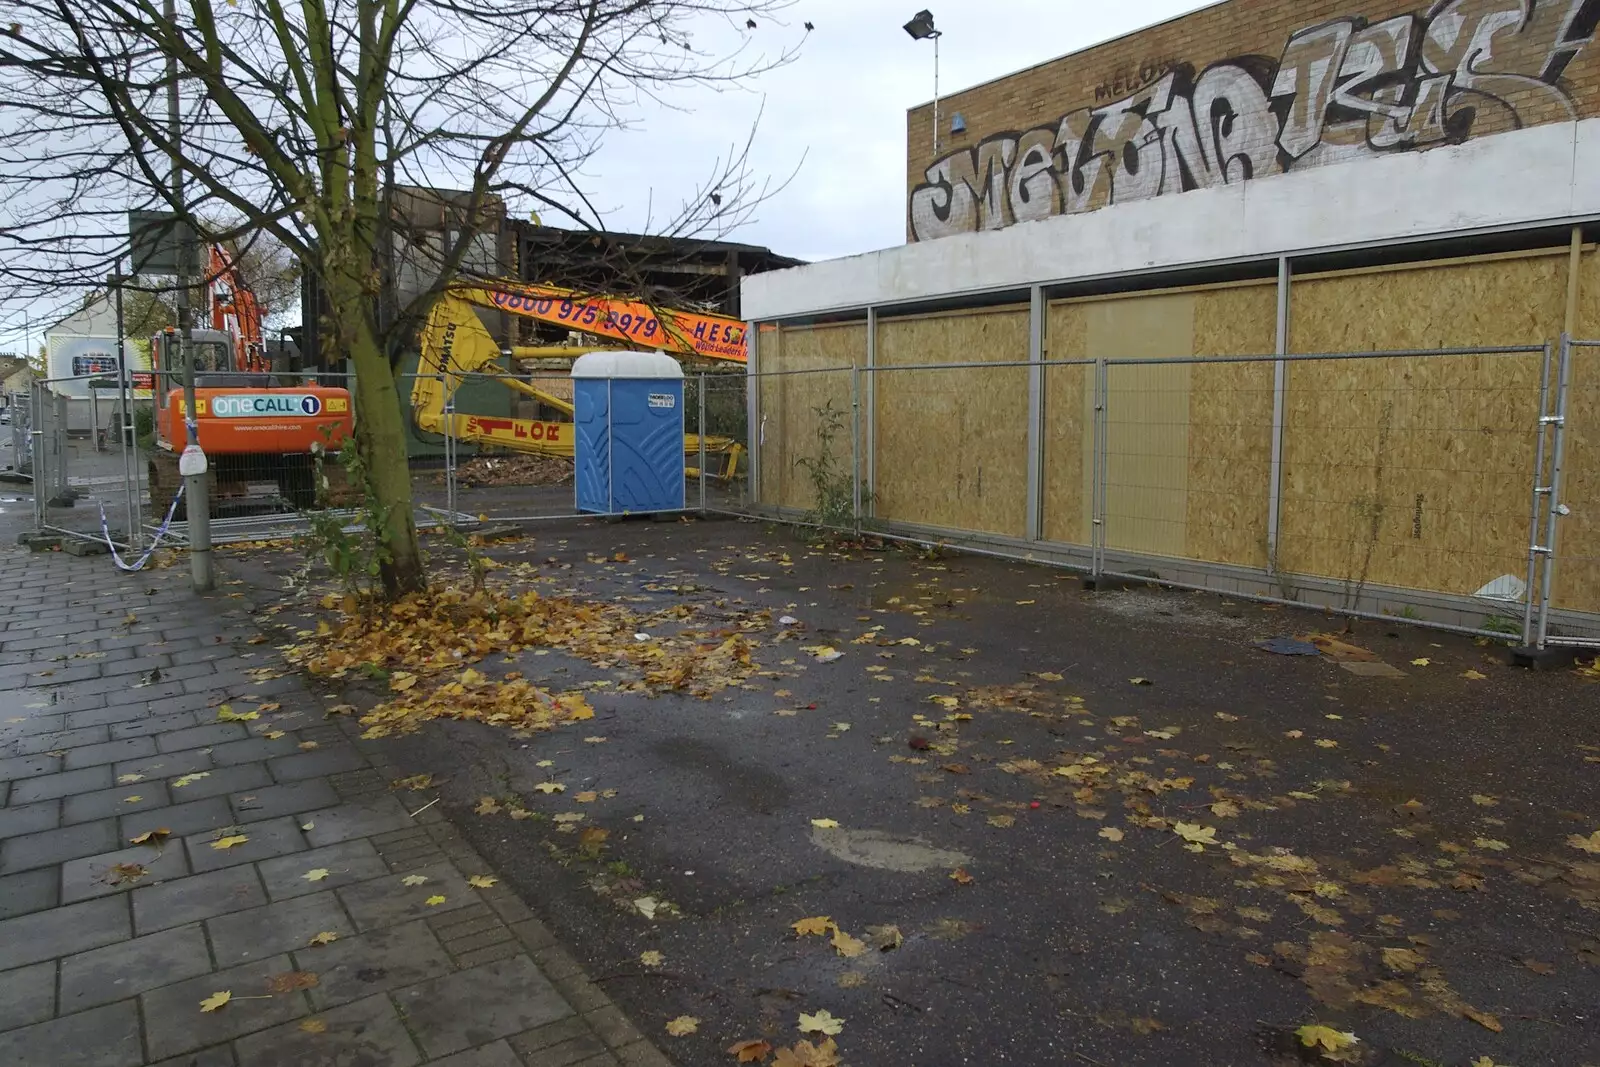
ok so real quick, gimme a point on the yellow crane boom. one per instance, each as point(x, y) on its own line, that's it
point(455, 343)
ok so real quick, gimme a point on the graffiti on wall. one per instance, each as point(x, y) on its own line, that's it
point(1340, 89)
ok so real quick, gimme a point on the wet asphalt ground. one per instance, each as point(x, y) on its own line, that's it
point(1398, 846)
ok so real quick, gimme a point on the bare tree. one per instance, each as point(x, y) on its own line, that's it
point(301, 121)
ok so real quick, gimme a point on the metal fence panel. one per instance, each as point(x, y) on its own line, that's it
point(1569, 584)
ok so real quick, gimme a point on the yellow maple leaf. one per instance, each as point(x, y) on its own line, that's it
point(1475, 676)
point(414, 879)
point(683, 1026)
point(1587, 844)
point(821, 1022)
point(652, 958)
point(1488, 802)
point(230, 841)
point(1324, 742)
point(216, 1000)
point(816, 925)
point(1315, 1035)
point(1421, 661)
point(1111, 833)
point(227, 714)
point(327, 937)
point(402, 680)
point(314, 1026)
point(487, 806)
point(189, 779)
point(847, 946)
point(482, 881)
point(1490, 843)
point(434, 901)
point(550, 787)
point(750, 1051)
point(825, 824)
point(150, 837)
point(1225, 809)
point(588, 796)
point(1196, 834)
point(315, 875)
point(133, 799)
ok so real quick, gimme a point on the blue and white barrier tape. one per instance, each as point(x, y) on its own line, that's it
point(139, 563)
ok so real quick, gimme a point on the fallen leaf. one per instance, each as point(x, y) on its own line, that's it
point(327, 937)
point(227, 714)
point(434, 901)
point(885, 938)
point(1488, 802)
point(414, 879)
point(314, 1026)
point(1140, 681)
point(189, 779)
point(847, 946)
point(594, 740)
point(820, 1023)
point(1586, 844)
point(290, 981)
point(133, 799)
point(1294, 735)
point(1002, 821)
point(315, 875)
point(487, 806)
point(851, 980)
point(588, 796)
point(415, 783)
point(128, 779)
point(1326, 1038)
point(960, 876)
point(652, 958)
point(1403, 960)
point(1490, 843)
point(482, 881)
point(1483, 1019)
point(1111, 833)
point(307, 746)
point(1323, 742)
point(548, 787)
point(230, 841)
point(751, 1051)
point(647, 906)
point(1225, 809)
point(216, 1000)
point(1474, 675)
point(814, 926)
point(805, 1054)
point(151, 837)
point(683, 1026)
point(1195, 834)
point(1539, 968)
point(1421, 661)
point(123, 873)
point(825, 824)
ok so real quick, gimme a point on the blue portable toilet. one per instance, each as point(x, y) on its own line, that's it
point(628, 440)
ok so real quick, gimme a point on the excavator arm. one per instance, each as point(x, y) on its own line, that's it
point(455, 343)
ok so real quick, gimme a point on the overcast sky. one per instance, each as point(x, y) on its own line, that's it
point(838, 113)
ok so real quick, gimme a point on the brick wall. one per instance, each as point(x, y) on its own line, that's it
point(1245, 90)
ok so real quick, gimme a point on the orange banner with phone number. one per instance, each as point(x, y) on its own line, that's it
point(687, 333)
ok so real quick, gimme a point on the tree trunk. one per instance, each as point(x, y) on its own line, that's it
point(381, 436)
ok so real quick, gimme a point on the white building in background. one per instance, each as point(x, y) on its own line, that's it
point(84, 345)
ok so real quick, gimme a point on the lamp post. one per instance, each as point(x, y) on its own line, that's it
point(921, 29)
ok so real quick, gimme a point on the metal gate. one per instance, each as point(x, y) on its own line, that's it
point(1566, 556)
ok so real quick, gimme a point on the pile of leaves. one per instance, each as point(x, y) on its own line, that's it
point(427, 643)
point(494, 471)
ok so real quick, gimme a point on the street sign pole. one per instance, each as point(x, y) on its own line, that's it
point(192, 465)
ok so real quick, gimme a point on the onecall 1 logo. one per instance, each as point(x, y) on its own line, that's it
point(247, 405)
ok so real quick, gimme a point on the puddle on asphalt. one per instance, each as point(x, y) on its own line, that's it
point(885, 852)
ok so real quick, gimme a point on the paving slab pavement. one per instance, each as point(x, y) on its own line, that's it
point(279, 831)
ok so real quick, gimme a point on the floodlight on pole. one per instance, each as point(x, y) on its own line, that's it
point(921, 29)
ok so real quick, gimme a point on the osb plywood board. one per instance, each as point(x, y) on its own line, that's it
point(1577, 575)
point(797, 409)
point(1147, 419)
point(952, 444)
point(1068, 427)
point(1415, 472)
point(1230, 426)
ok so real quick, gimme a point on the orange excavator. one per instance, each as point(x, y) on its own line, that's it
point(258, 434)
point(455, 343)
